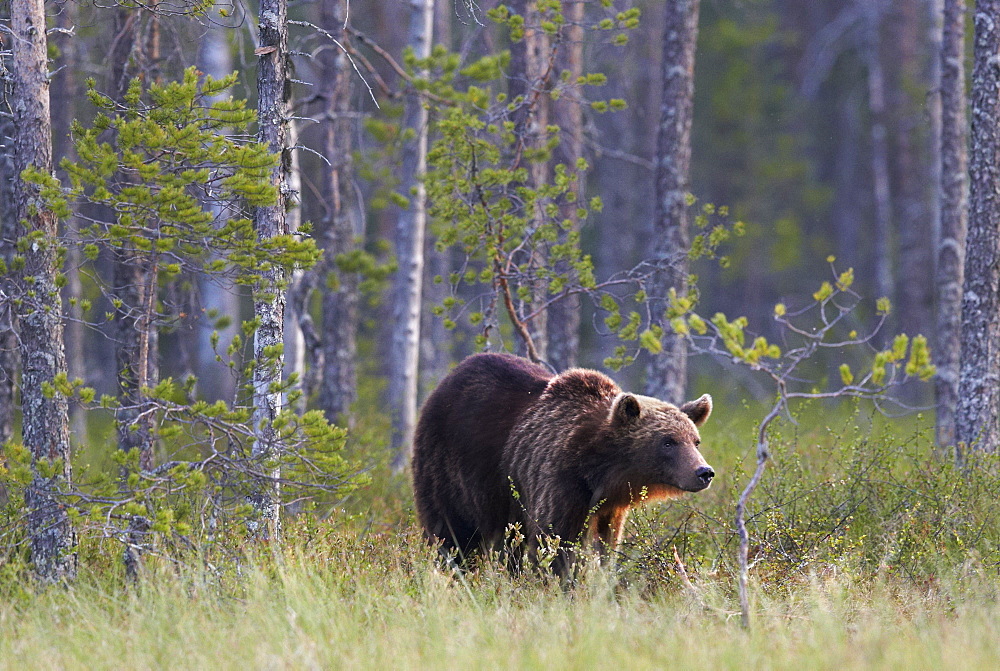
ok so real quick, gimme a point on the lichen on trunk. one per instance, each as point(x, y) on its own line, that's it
point(45, 417)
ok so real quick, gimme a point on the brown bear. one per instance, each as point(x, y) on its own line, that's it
point(502, 441)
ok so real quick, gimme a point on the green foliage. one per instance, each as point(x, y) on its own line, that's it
point(173, 156)
point(171, 170)
point(868, 549)
point(520, 235)
point(851, 494)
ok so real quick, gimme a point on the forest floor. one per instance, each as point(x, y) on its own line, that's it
point(870, 550)
point(374, 610)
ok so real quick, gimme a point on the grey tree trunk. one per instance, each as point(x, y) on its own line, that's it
point(295, 342)
point(436, 343)
point(404, 355)
point(135, 274)
point(9, 359)
point(954, 203)
point(338, 385)
point(910, 170)
point(216, 60)
point(666, 374)
point(45, 421)
point(935, 35)
point(136, 352)
point(269, 298)
point(65, 94)
point(978, 415)
point(529, 79)
point(880, 158)
point(564, 316)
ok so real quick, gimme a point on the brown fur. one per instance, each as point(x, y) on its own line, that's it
point(578, 452)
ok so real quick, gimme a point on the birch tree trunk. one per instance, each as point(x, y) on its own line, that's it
point(666, 374)
point(529, 81)
point(65, 94)
point(45, 421)
point(216, 60)
point(294, 339)
point(273, 90)
point(404, 355)
point(436, 342)
point(564, 316)
point(954, 201)
point(880, 158)
point(910, 170)
point(8, 234)
point(338, 385)
point(978, 414)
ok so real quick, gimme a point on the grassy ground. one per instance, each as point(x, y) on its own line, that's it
point(383, 604)
point(870, 551)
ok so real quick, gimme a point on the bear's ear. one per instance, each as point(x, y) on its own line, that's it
point(698, 410)
point(626, 409)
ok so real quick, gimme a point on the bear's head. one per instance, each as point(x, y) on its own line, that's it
point(662, 443)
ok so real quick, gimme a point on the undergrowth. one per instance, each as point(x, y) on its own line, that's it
point(870, 548)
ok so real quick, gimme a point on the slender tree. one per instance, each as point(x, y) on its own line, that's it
point(564, 316)
point(954, 204)
point(215, 60)
point(134, 269)
point(273, 90)
point(45, 416)
point(8, 316)
point(879, 151)
point(910, 168)
point(436, 342)
point(530, 72)
point(338, 384)
point(404, 355)
point(65, 96)
point(978, 415)
point(667, 372)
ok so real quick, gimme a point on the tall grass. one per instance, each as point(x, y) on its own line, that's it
point(384, 604)
point(870, 551)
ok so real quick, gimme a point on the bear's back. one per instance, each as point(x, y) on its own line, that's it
point(554, 434)
point(460, 490)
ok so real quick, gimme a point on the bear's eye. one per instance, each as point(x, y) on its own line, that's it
point(669, 442)
point(697, 442)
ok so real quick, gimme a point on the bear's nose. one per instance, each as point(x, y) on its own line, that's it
point(705, 473)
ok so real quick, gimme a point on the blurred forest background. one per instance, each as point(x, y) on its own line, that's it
point(240, 242)
point(812, 122)
point(815, 135)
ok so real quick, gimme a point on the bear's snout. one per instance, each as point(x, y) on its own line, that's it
point(705, 474)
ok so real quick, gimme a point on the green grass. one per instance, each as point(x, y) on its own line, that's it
point(869, 550)
point(383, 603)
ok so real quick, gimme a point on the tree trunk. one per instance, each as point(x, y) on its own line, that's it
point(564, 316)
point(273, 89)
point(666, 375)
point(65, 93)
point(136, 352)
point(215, 59)
point(436, 343)
point(954, 201)
point(404, 355)
point(9, 359)
point(978, 413)
point(880, 158)
point(45, 421)
point(134, 273)
point(911, 171)
point(295, 342)
point(529, 81)
point(338, 386)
